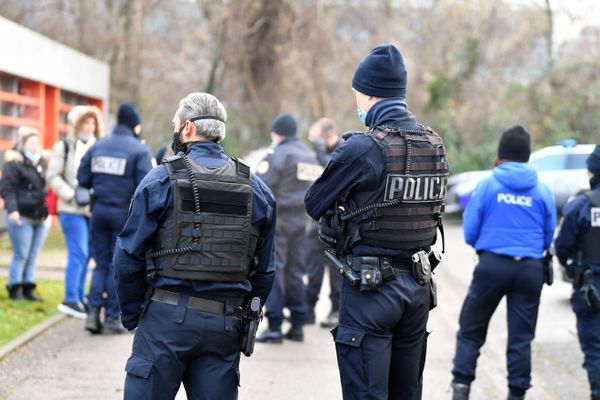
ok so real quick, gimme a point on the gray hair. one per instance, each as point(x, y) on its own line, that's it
point(204, 104)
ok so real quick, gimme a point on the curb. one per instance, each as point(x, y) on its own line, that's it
point(31, 334)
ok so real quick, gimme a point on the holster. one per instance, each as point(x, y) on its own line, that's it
point(252, 315)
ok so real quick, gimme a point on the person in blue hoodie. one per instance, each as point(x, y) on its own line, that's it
point(577, 249)
point(113, 167)
point(510, 222)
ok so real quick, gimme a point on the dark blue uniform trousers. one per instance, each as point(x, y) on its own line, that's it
point(381, 340)
point(107, 223)
point(494, 277)
point(173, 344)
point(315, 270)
point(588, 329)
point(288, 288)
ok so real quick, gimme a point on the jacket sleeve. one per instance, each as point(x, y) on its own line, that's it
point(55, 172)
point(474, 213)
point(84, 173)
point(566, 240)
point(142, 166)
point(269, 171)
point(264, 209)
point(549, 219)
point(9, 185)
point(131, 246)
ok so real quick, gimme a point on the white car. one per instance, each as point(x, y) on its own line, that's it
point(562, 168)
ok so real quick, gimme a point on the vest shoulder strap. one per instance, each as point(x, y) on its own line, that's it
point(241, 168)
point(174, 163)
point(594, 197)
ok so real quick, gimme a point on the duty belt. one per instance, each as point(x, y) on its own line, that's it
point(389, 266)
point(197, 303)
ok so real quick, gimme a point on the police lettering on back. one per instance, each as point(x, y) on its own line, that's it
point(513, 199)
point(415, 188)
point(595, 217)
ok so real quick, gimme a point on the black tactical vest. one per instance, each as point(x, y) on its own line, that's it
point(404, 212)
point(591, 238)
point(209, 236)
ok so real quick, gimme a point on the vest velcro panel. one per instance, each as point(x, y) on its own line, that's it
point(591, 237)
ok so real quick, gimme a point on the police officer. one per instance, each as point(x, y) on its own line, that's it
point(197, 242)
point(374, 186)
point(324, 138)
point(288, 170)
point(577, 249)
point(510, 221)
point(113, 168)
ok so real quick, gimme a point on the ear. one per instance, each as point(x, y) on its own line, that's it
point(497, 162)
point(189, 132)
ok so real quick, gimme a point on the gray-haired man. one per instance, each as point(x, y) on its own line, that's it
point(183, 263)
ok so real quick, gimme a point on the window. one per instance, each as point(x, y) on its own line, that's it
point(577, 161)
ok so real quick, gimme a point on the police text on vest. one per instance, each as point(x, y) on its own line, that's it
point(415, 188)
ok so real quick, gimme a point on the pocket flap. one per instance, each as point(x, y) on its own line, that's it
point(139, 366)
point(349, 336)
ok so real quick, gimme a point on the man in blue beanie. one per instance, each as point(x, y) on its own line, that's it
point(379, 201)
point(577, 249)
point(113, 168)
point(287, 170)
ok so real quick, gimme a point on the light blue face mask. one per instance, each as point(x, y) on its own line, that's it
point(34, 158)
point(84, 138)
point(361, 114)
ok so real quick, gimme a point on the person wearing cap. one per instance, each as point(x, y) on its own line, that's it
point(510, 222)
point(85, 126)
point(113, 168)
point(196, 247)
point(287, 170)
point(23, 188)
point(577, 249)
point(376, 215)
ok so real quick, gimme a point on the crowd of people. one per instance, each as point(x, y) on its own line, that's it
point(184, 251)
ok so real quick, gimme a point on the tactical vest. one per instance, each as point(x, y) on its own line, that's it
point(209, 236)
point(405, 211)
point(591, 238)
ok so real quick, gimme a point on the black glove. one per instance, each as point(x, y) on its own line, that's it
point(589, 293)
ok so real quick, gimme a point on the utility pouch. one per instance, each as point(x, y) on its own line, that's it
point(547, 267)
point(588, 291)
point(371, 278)
point(421, 267)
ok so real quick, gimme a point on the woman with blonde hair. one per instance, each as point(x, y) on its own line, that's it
point(85, 127)
point(23, 188)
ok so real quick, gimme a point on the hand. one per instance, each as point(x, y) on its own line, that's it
point(15, 217)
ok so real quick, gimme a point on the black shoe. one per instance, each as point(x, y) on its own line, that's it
point(460, 391)
point(295, 334)
point(332, 320)
point(310, 317)
point(14, 292)
point(29, 292)
point(76, 310)
point(92, 322)
point(520, 395)
point(113, 325)
point(270, 336)
point(513, 397)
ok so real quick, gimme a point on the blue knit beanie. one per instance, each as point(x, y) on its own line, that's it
point(285, 125)
point(128, 115)
point(593, 161)
point(382, 73)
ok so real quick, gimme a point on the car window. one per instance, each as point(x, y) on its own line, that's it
point(576, 161)
point(550, 163)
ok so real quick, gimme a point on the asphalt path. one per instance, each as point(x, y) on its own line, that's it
point(68, 363)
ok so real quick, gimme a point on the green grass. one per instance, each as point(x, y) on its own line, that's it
point(16, 317)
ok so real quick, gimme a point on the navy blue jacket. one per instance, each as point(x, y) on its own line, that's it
point(114, 167)
point(576, 220)
point(358, 165)
point(152, 205)
point(511, 213)
point(288, 171)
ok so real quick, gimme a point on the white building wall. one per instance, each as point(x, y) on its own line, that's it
point(28, 54)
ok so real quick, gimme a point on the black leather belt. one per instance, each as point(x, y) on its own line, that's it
point(398, 264)
point(512, 258)
point(197, 303)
